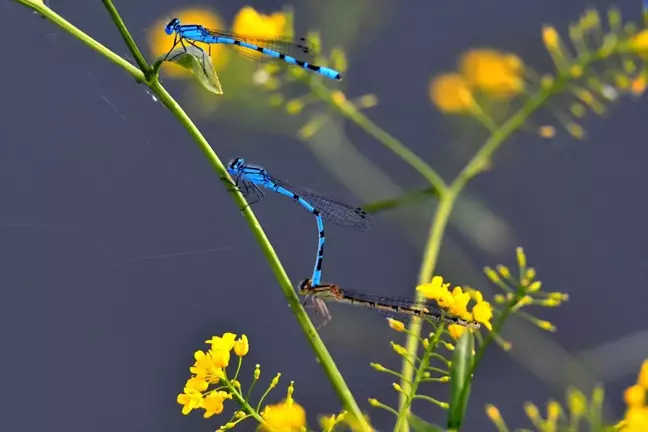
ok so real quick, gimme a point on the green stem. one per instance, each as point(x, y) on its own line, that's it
point(380, 135)
point(128, 39)
point(294, 303)
point(482, 348)
point(244, 404)
point(55, 18)
point(448, 198)
point(409, 393)
point(430, 257)
point(321, 352)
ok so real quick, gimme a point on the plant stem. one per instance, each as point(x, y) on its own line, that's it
point(309, 330)
point(448, 198)
point(380, 134)
point(409, 393)
point(55, 18)
point(128, 39)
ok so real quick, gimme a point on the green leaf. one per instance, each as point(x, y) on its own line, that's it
point(419, 425)
point(462, 360)
point(199, 63)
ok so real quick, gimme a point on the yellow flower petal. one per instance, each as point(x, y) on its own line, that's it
point(482, 313)
point(251, 23)
point(451, 93)
point(285, 417)
point(498, 74)
point(456, 331)
point(635, 396)
point(242, 346)
point(213, 403)
point(643, 375)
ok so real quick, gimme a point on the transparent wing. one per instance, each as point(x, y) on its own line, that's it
point(433, 310)
point(331, 210)
point(301, 48)
point(406, 302)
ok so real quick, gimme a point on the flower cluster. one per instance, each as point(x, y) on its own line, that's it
point(636, 398)
point(523, 291)
point(579, 409)
point(433, 366)
point(489, 72)
point(486, 76)
point(210, 370)
point(456, 301)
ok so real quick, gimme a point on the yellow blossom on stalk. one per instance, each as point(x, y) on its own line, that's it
point(250, 22)
point(435, 290)
point(205, 368)
point(456, 302)
point(494, 414)
point(550, 38)
point(160, 43)
point(190, 400)
point(576, 402)
point(456, 331)
point(241, 346)
point(642, 380)
point(636, 420)
point(493, 72)
point(220, 349)
point(328, 423)
point(396, 325)
point(213, 403)
point(482, 313)
point(635, 396)
point(639, 42)
point(284, 416)
point(196, 383)
point(451, 93)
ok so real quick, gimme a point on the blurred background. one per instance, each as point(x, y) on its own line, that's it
point(121, 252)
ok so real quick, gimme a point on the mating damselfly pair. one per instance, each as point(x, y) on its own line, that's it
point(249, 179)
point(270, 48)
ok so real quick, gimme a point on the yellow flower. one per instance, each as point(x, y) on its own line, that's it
point(456, 331)
point(635, 396)
point(249, 22)
point(284, 417)
point(396, 325)
point(205, 368)
point(493, 72)
point(241, 346)
point(550, 38)
point(160, 43)
point(434, 290)
point(640, 41)
point(213, 403)
point(636, 420)
point(190, 400)
point(643, 375)
point(482, 313)
point(451, 93)
point(576, 401)
point(494, 414)
point(460, 304)
point(328, 423)
point(220, 349)
point(198, 384)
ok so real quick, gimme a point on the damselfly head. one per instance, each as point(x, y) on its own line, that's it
point(305, 286)
point(172, 26)
point(235, 164)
